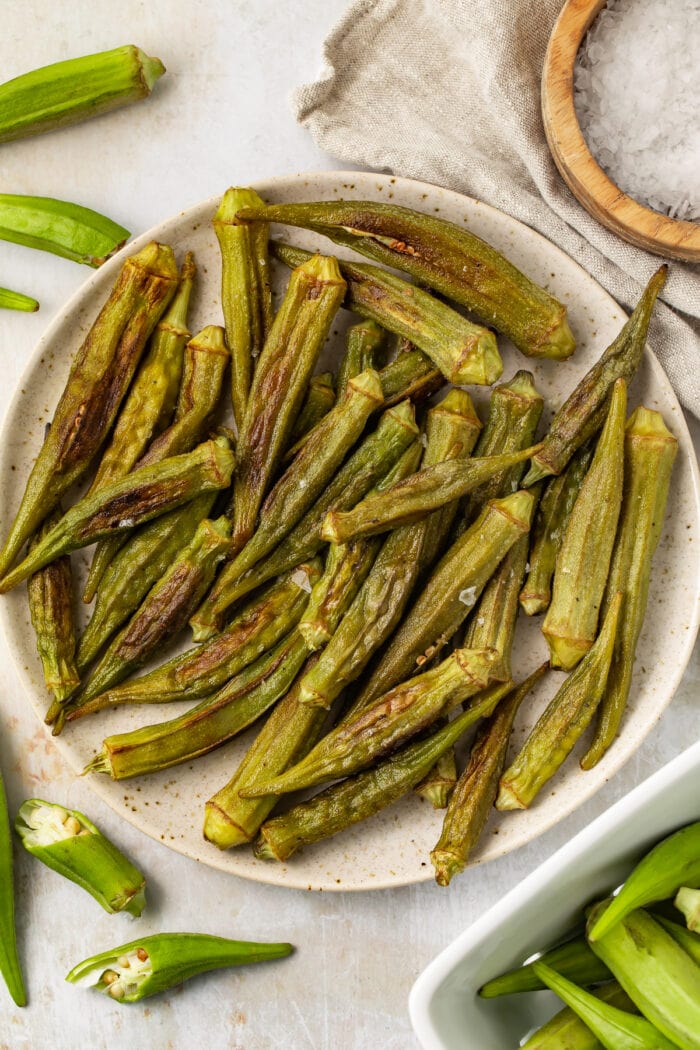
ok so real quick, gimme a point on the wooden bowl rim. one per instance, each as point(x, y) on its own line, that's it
point(677, 238)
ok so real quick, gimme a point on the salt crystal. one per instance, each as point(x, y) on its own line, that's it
point(468, 596)
point(301, 578)
point(637, 97)
point(424, 440)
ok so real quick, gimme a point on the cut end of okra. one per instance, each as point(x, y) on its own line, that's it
point(122, 978)
point(687, 901)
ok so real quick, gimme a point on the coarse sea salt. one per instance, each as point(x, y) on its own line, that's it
point(637, 97)
point(301, 578)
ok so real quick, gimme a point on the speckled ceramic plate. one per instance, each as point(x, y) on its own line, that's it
point(392, 848)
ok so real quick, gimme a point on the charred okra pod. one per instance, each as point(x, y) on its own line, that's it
point(401, 713)
point(245, 290)
point(574, 959)
point(566, 1029)
point(613, 1026)
point(476, 790)
point(164, 611)
point(199, 672)
point(552, 517)
point(73, 90)
point(144, 494)
point(411, 374)
point(449, 258)
point(359, 797)
point(584, 412)
point(50, 593)
point(376, 455)
point(673, 863)
point(59, 227)
point(154, 964)
point(9, 958)
point(210, 723)
point(492, 624)
point(284, 368)
point(98, 380)
point(650, 450)
point(581, 571)
point(658, 975)
point(66, 841)
point(452, 590)
point(464, 352)
point(318, 402)
point(562, 722)
point(363, 345)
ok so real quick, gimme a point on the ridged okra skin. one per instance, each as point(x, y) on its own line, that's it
point(98, 380)
point(584, 412)
point(318, 401)
point(60, 227)
point(364, 346)
point(10, 300)
point(566, 1029)
point(462, 351)
point(650, 450)
point(574, 959)
point(411, 374)
point(492, 624)
point(447, 257)
point(583, 562)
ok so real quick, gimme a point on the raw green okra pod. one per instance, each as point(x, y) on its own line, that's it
point(98, 380)
point(376, 455)
point(164, 611)
point(198, 672)
point(311, 470)
point(10, 300)
point(211, 723)
point(686, 936)
point(451, 591)
point(10, 966)
point(492, 624)
point(449, 258)
point(650, 450)
point(464, 352)
point(475, 792)
point(154, 964)
point(657, 974)
point(144, 494)
point(60, 227)
point(584, 412)
point(583, 561)
point(284, 368)
point(50, 594)
point(573, 959)
point(672, 863)
point(245, 290)
point(66, 841)
point(364, 343)
point(567, 1030)
point(562, 722)
point(319, 400)
point(552, 517)
point(359, 797)
point(401, 713)
point(614, 1027)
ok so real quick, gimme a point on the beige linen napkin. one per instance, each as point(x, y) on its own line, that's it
point(448, 91)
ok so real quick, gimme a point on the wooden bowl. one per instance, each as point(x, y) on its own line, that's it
point(587, 181)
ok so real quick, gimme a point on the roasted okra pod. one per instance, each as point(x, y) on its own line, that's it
point(363, 346)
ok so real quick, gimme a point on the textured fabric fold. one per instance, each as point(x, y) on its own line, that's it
point(449, 92)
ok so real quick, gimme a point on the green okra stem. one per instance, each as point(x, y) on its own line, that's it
point(210, 724)
point(245, 290)
point(451, 591)
point(59, 227)
point(658, 975)
point(359, 797)
point(10, 966)
point(164, 611)
point(650, 450)
point(411, 374)
point(582, 565)
point(98, 380)
point(281, 377)
point(376, 455)
point(449, 258)
point(584, 412)
point(573, 959)
point(10, 300)
point(66, 841)
point(290, 731)
point(562, 722)
point(672, 863)
point(144, 494)
point(567, 1030)
point(50, 594)
point(401, 713)
point(311, 470)
point(198, 672)
point(553, 513)
point(475, 792)
point(154, 964)
point(364, 343)
point(318, 402)
point(464, 352)
point(492, 624)
point(614, 1027)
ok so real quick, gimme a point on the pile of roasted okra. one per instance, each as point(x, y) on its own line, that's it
point(352, 559)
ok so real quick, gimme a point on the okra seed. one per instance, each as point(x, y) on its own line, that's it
point(142, 954)
point(109, 977)
point(123, 961)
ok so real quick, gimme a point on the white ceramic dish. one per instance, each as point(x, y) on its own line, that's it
point(446, 1012)
point(392, 848)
